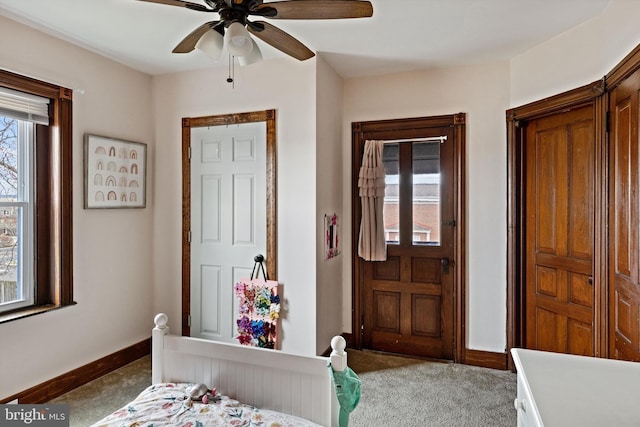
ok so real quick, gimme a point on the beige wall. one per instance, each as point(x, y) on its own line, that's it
point(482, 92)
point(288, 87)
point(576, 57)
point(112, 248)
point(127, 262)
point(329, 194)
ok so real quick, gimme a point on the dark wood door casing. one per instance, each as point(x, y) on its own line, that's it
point(406, 268)
point(616, 262)
point(590, 96)
point(267, 116)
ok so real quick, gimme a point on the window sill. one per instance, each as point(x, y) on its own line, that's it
point(28, 312)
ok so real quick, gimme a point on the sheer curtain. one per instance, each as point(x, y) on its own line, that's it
point(372, 245)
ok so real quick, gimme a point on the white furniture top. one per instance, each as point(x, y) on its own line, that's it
point(569, 390)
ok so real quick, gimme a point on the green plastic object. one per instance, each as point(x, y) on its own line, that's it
point(347, 386)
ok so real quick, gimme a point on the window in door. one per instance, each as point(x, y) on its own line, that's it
point(413, 165)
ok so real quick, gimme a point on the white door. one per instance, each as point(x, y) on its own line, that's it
point(228, 221)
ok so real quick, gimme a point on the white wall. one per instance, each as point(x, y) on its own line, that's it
point(289, 87)
point(112, 248)
point(331, 185)
point(576, 57)
point(482, 92)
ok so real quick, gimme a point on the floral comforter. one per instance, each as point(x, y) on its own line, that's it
point(169, 405)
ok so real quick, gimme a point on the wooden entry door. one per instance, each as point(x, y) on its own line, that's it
point(624, 216)
point(408, 301)
point(560, 193)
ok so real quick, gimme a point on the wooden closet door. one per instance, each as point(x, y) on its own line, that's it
point(560, 192)
point(624, 217)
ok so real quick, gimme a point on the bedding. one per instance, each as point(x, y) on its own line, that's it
point(169, 404)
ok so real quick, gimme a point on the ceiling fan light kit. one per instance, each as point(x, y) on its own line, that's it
point(253, 57)
point(211, 43)
point(233, 29)
point(237, 40)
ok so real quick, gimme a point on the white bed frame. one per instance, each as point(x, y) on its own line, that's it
point(268, 379)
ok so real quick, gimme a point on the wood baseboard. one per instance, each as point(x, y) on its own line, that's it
point(485, 359)
point(64, 383)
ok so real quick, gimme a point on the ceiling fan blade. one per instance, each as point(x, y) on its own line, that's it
point(180, 3)
point(316, 9)
point(280, 40)
point(189, 43)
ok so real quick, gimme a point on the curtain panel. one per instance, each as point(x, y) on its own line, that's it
point(372, 244)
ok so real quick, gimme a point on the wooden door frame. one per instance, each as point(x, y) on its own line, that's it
point(458, 123)
point(268, 116)
point(593, 95)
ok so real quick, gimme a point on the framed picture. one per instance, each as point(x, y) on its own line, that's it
point(114, 173)
point(331, 248)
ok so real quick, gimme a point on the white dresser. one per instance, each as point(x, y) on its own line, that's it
point(565, 390)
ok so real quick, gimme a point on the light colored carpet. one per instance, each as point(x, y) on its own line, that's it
point(411, 392)
point(96, 399)
point(396, 391)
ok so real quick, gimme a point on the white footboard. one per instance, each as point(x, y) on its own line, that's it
point(293, 384)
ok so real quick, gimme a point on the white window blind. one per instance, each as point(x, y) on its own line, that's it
point(24, 106)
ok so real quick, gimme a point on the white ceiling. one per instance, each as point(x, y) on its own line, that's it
point(402, 34)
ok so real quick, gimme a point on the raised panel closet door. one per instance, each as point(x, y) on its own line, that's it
point(624, 294)
point(560, 192)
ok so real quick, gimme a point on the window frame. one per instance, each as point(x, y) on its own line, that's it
point(53, 214)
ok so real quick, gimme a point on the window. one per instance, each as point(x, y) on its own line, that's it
point(421, 167)
point(35, 196)
point(16, 213)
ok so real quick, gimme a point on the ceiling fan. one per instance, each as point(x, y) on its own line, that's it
point(233, 26)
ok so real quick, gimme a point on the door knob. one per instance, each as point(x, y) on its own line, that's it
point(445, 265)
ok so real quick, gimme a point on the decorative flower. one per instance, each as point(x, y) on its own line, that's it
point(269, 329)
point(257, 327)
point(244, 324)
point(249, 295)
point(274, 311)
point(239, 288)
point(244, 339)
point(245, 308)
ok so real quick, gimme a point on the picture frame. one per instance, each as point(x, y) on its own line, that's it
point(114, 173)
point(331, 239)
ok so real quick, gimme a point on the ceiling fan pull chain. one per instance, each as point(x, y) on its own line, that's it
point(230, 79)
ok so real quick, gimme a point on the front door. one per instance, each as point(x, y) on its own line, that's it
point(408, 300)
point(560, 191)
point(624, 217)
point(228, 221)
